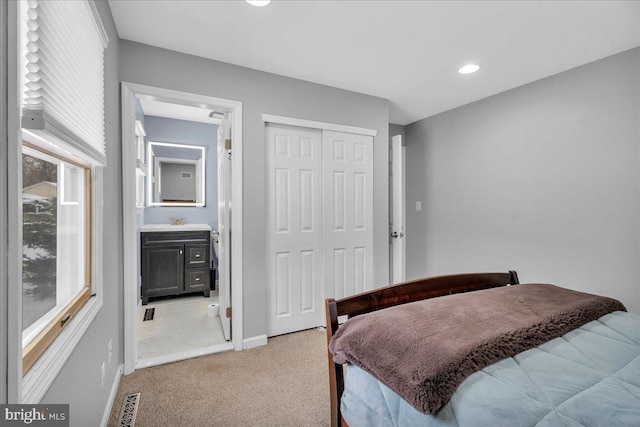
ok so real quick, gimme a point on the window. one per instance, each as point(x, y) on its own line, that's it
point(56, 256)
point(63, 155)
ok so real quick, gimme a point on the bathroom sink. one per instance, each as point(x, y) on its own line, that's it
point(168, 227)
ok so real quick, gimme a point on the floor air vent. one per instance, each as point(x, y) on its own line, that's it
point(129, 410)
point(148, 314)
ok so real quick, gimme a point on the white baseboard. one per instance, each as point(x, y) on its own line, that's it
point(254, 342)
point(112, 396)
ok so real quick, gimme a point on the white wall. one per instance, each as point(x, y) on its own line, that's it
point(260, 93)
point(543, 179)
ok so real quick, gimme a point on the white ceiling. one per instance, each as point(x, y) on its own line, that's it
point(404, 51)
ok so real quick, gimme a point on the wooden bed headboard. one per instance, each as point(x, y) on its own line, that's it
point(402, 293)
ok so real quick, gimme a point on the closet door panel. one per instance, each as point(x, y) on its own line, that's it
point(294, 229)
point(348, 212)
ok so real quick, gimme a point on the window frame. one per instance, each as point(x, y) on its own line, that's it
point(32, 385)
point(43, 339)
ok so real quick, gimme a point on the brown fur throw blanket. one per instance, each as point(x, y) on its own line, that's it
point(423, 350)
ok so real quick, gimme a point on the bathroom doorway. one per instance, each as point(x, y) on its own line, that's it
point(177, 256)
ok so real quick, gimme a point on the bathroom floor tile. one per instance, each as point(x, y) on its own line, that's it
point(179, 324)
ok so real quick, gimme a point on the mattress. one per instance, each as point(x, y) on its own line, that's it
point(588, 377)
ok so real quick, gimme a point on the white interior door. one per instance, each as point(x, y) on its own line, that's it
point(348, 213)
point(398, 210)
point(224, 226)
point(294, 229)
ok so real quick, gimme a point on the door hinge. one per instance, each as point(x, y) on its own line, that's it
point(229, 312)
point(227, 144)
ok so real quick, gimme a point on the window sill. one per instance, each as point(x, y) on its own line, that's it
point(44, 372)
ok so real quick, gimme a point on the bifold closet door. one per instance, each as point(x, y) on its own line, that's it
point(294, 229)
point(348, 213)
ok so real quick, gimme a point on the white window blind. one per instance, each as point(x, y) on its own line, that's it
point(64, 73)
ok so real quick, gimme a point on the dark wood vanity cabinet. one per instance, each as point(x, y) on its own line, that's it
point(174, 263)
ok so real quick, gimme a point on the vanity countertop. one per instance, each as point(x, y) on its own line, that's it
point(168, 227)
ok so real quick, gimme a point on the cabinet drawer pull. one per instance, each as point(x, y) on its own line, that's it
point(197, 279)
point(197, 255)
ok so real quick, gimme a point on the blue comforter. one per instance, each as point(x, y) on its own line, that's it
point(588, 377)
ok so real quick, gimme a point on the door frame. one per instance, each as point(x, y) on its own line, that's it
point(129, 92)
point(313, 124)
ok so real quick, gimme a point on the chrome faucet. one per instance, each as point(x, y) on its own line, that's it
point(177, 221)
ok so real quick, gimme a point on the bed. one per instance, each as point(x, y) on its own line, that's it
point(532, 354)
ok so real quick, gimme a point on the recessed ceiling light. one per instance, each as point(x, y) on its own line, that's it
point(258, 3)
point(469, 68)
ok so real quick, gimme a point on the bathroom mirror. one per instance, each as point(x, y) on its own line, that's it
point(176, 174)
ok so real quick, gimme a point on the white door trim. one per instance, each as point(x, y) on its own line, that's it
point(291, 121)
point(129, 92)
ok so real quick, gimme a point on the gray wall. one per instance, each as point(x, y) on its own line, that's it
point(543, 179)
point(268, 93)
point(160, 129)
point(79, 381)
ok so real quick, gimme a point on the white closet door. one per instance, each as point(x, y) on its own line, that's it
point(294, 229)
point(348, 213)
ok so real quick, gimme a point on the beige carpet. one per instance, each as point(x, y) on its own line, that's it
point(284, 383)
